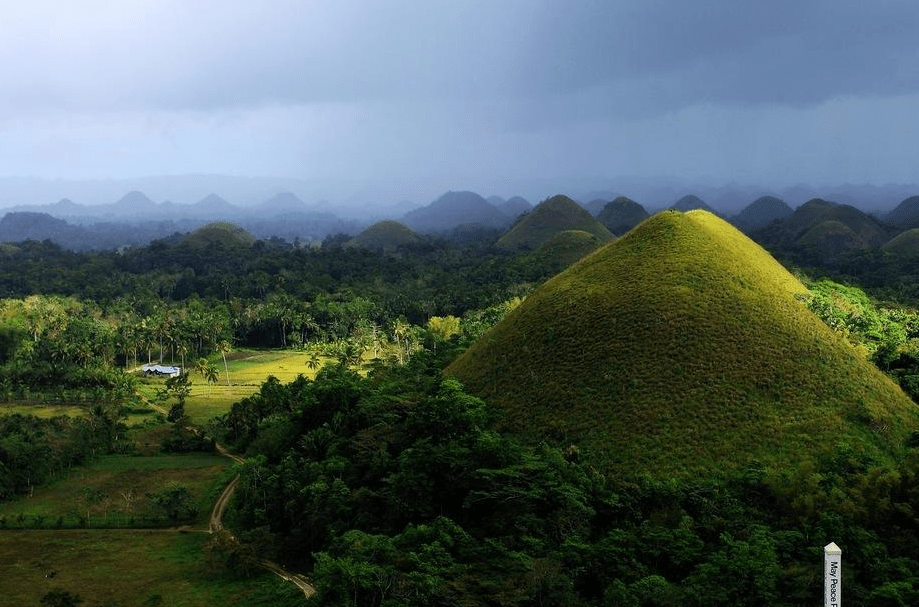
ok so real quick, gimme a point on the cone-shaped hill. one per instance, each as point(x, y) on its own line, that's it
point(621, 215)
point(803, 228)
point(690, 202)
point(453, 209)
point(906, 214)
point(548, 218)
point(681, 349)
point(223, 233)
point(761, 212)
point(905, 244)
point(387, 235)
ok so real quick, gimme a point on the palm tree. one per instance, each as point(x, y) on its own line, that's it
point(313, 361)
point(209, 371)
point(223, 347)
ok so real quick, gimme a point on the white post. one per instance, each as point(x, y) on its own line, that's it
point(832, 572)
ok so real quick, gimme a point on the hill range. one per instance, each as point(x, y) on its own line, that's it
point(550, 217)
point(679, 349)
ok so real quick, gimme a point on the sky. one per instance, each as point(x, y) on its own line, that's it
point(462, 94)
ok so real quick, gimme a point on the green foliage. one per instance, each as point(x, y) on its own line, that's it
point(887, 335)
point(175, 501)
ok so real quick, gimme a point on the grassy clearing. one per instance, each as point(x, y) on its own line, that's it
point(46, 411)
point(248, 369)
point(128, 568)
point(113, 491)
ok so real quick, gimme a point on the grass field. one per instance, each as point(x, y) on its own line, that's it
point(128, 568)
point(248, 369)
point(113, 491)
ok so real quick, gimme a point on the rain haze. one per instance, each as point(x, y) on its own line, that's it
point(499, 97)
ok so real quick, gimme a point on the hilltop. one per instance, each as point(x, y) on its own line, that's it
point(828, 227)
point(554, 215)
point(221, 233)
point(454, 209)
point(906, 214)
point(621, 215)
point(681, 349)
point(905, 244)
point(691, 202)
point(387, 235)
point(761, 212)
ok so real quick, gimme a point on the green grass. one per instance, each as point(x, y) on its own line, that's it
point(248, 369)
point(680, 346)
point(547, 219)
point(45, 411)
point(120, 485)
point(129, 569)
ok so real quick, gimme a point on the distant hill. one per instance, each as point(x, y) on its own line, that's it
point(905, 244)
point(515, 207)
point(681, 350)
point(596, 205)
point(906, 214)
point(845, 228)
point(690, 202)
point(761, 212)
point(621, 215)
point(548, 218)
point(24, 225)
point(214, 206)
point(223, 233)
point(284, 203)
point(453, 209)
point(386, 236)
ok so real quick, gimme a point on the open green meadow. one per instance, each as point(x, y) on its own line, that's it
point(117, 490)
point(248, 369)
point(128, 568)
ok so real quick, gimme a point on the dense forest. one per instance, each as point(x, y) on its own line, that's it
point(392, 485)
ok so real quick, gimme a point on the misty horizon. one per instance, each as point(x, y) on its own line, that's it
point(404, 102)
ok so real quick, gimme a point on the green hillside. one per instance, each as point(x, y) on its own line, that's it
point(832, 237)
point(681, 349)
point(225, 233)
point(384, 236)
point(905, 244)
point(548, 218)
point(563, 249)
point(803, 227)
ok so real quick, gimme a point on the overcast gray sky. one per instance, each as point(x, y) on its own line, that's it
point(462, 94)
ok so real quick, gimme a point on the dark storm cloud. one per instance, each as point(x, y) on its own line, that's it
point(467, 87)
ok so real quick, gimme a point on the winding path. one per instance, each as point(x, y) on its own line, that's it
point(215, 525)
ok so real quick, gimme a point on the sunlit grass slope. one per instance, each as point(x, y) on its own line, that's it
point(681, 349)
point(548, 218)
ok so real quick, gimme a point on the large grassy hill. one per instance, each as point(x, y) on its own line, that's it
point(548, 218)
point(681, 349)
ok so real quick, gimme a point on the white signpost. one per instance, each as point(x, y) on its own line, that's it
point(832, 575)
